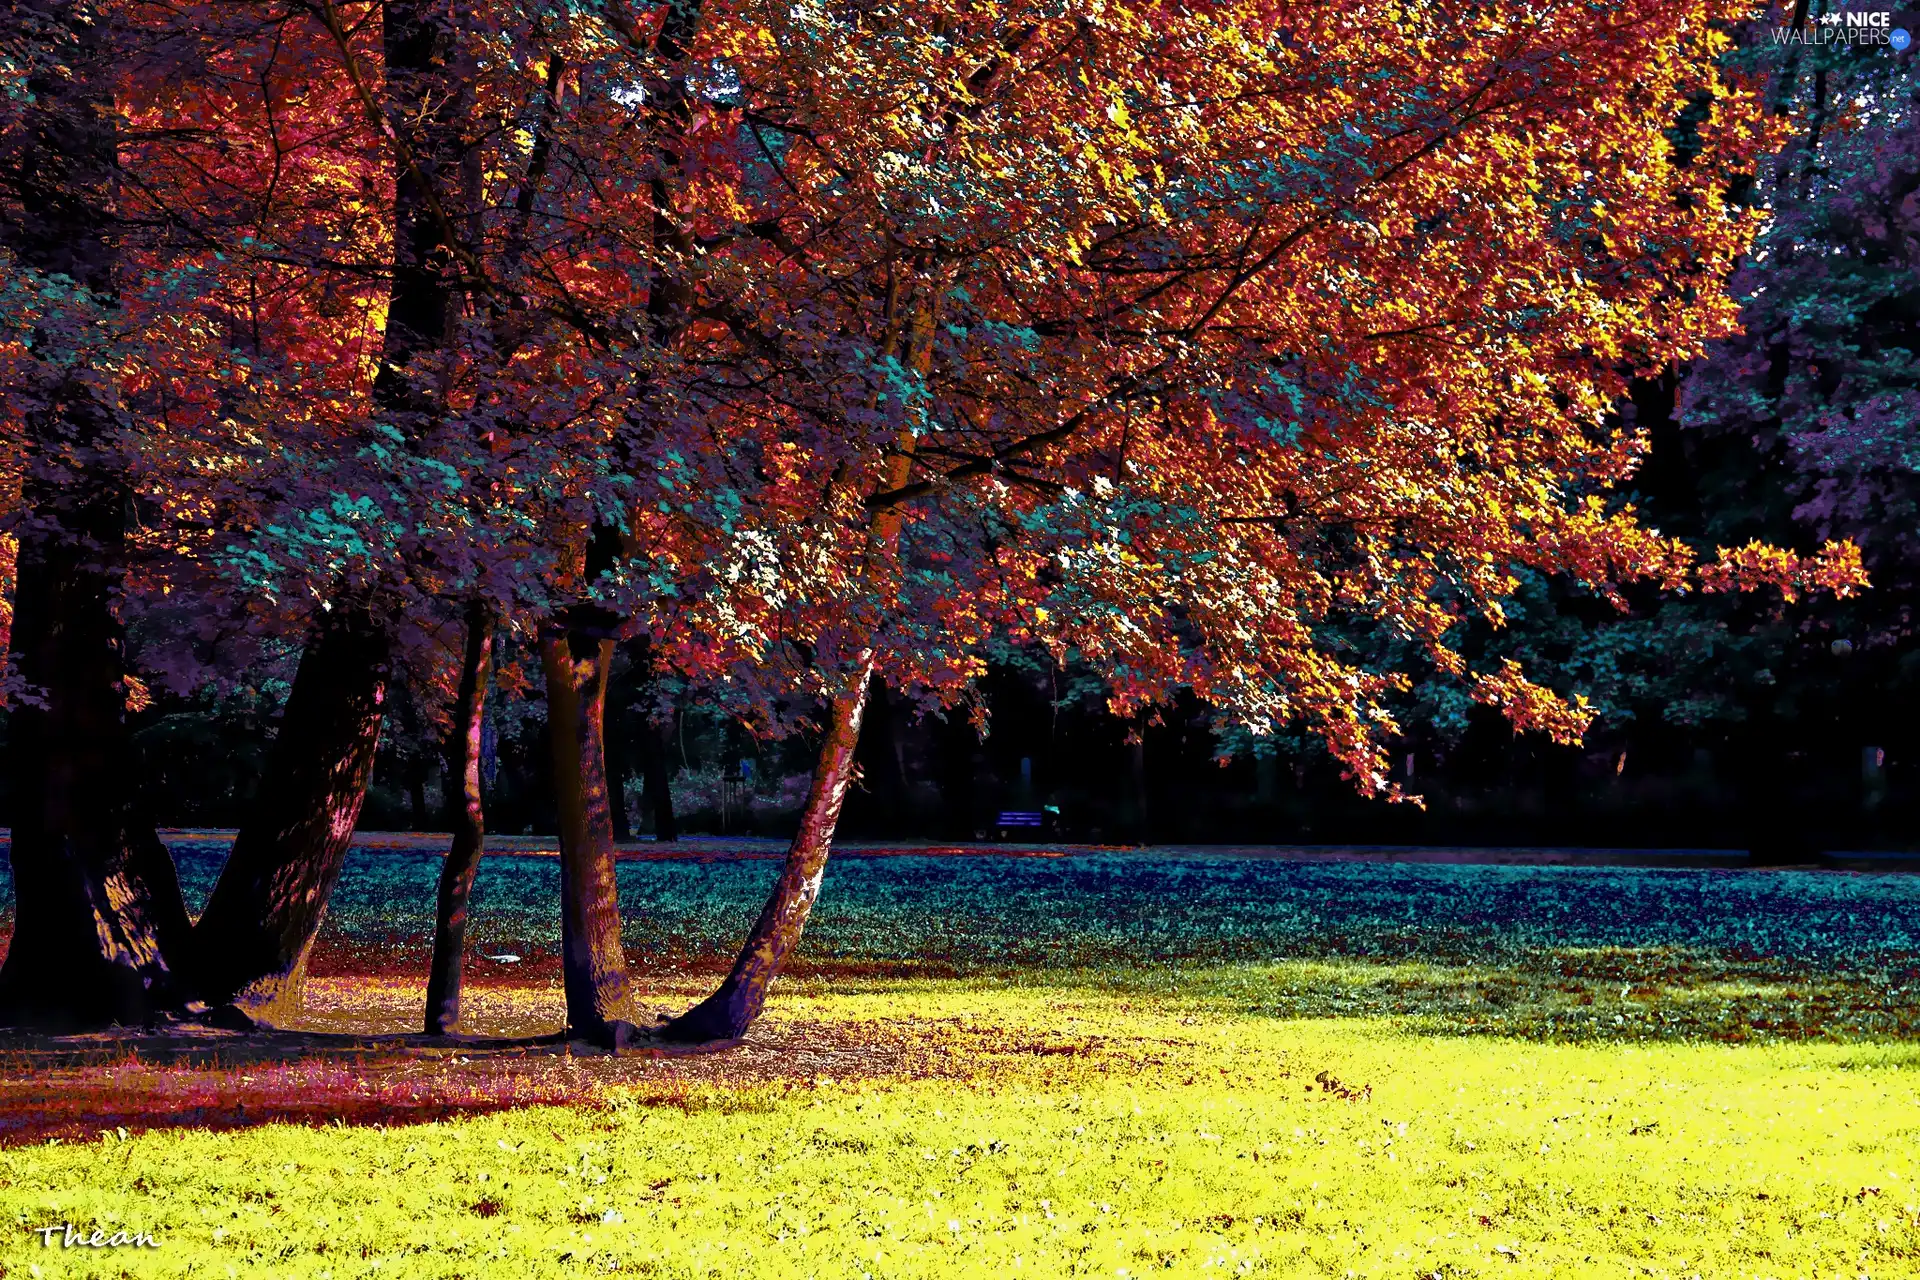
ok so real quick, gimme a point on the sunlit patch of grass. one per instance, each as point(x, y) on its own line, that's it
point(1099, 1066)
point(1055, 1130)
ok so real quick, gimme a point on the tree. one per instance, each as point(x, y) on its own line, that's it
point(1344, 355)
point(466, 819)
point(1808, 414)
point(97, 902)
point(261, 920)
point(813, 349)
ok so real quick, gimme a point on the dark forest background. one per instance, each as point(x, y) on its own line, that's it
point(1724, 722)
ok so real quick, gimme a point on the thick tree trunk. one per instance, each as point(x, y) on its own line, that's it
point(253, 940)
point(728, 1012)
point(576, 656)
point(466, 818)
point(99, 925)
point(251, 945)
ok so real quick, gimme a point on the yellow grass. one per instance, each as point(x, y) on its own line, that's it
point(1058, 1130)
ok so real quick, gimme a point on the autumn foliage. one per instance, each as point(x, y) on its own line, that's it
point(824, 344)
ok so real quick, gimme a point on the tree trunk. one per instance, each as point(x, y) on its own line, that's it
point(466, 819)
point(253, 940)
point(252, 943)
point(650, 745)
point(99, 924)
point(727, 1013)
point(1776, 831)
point(1137, 776)
point(417, 793)
point(957, 745)
point(593, 965)
point(657, 779)
point(882, 797)
point(617, 774)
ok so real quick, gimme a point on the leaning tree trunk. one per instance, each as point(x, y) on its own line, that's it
point(98, 921)
point(728, 1012)
point(252, 943)
point(466, 818)
point(253, 940)
point(576, 657)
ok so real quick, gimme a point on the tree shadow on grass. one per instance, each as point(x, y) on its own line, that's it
point(116, 1083)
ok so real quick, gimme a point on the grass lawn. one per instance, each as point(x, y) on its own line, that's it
point(1259, 1069)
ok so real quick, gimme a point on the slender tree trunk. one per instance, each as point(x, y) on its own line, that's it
point(617, 775)
point(648, 742)
point(657, 779)
point(883, 772)
point(957, 744)
point(99, 925)
point(417, 793)
point(466, 818)
point(728, 1012)
point(593, 965)
point(1776, 829)
point(1137, 776)
point(253, 940)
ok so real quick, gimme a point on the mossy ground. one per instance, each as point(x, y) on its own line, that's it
point(1597, 1108)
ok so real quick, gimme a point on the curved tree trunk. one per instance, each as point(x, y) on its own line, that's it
point(728, 1012)
point(252, 941)
point(99, 925)
point(466, 818)
point(593, 965)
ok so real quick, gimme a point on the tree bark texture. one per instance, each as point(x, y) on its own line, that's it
point(466, 819)
point(253, 940)
point(99, 924)
point(576, 661)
